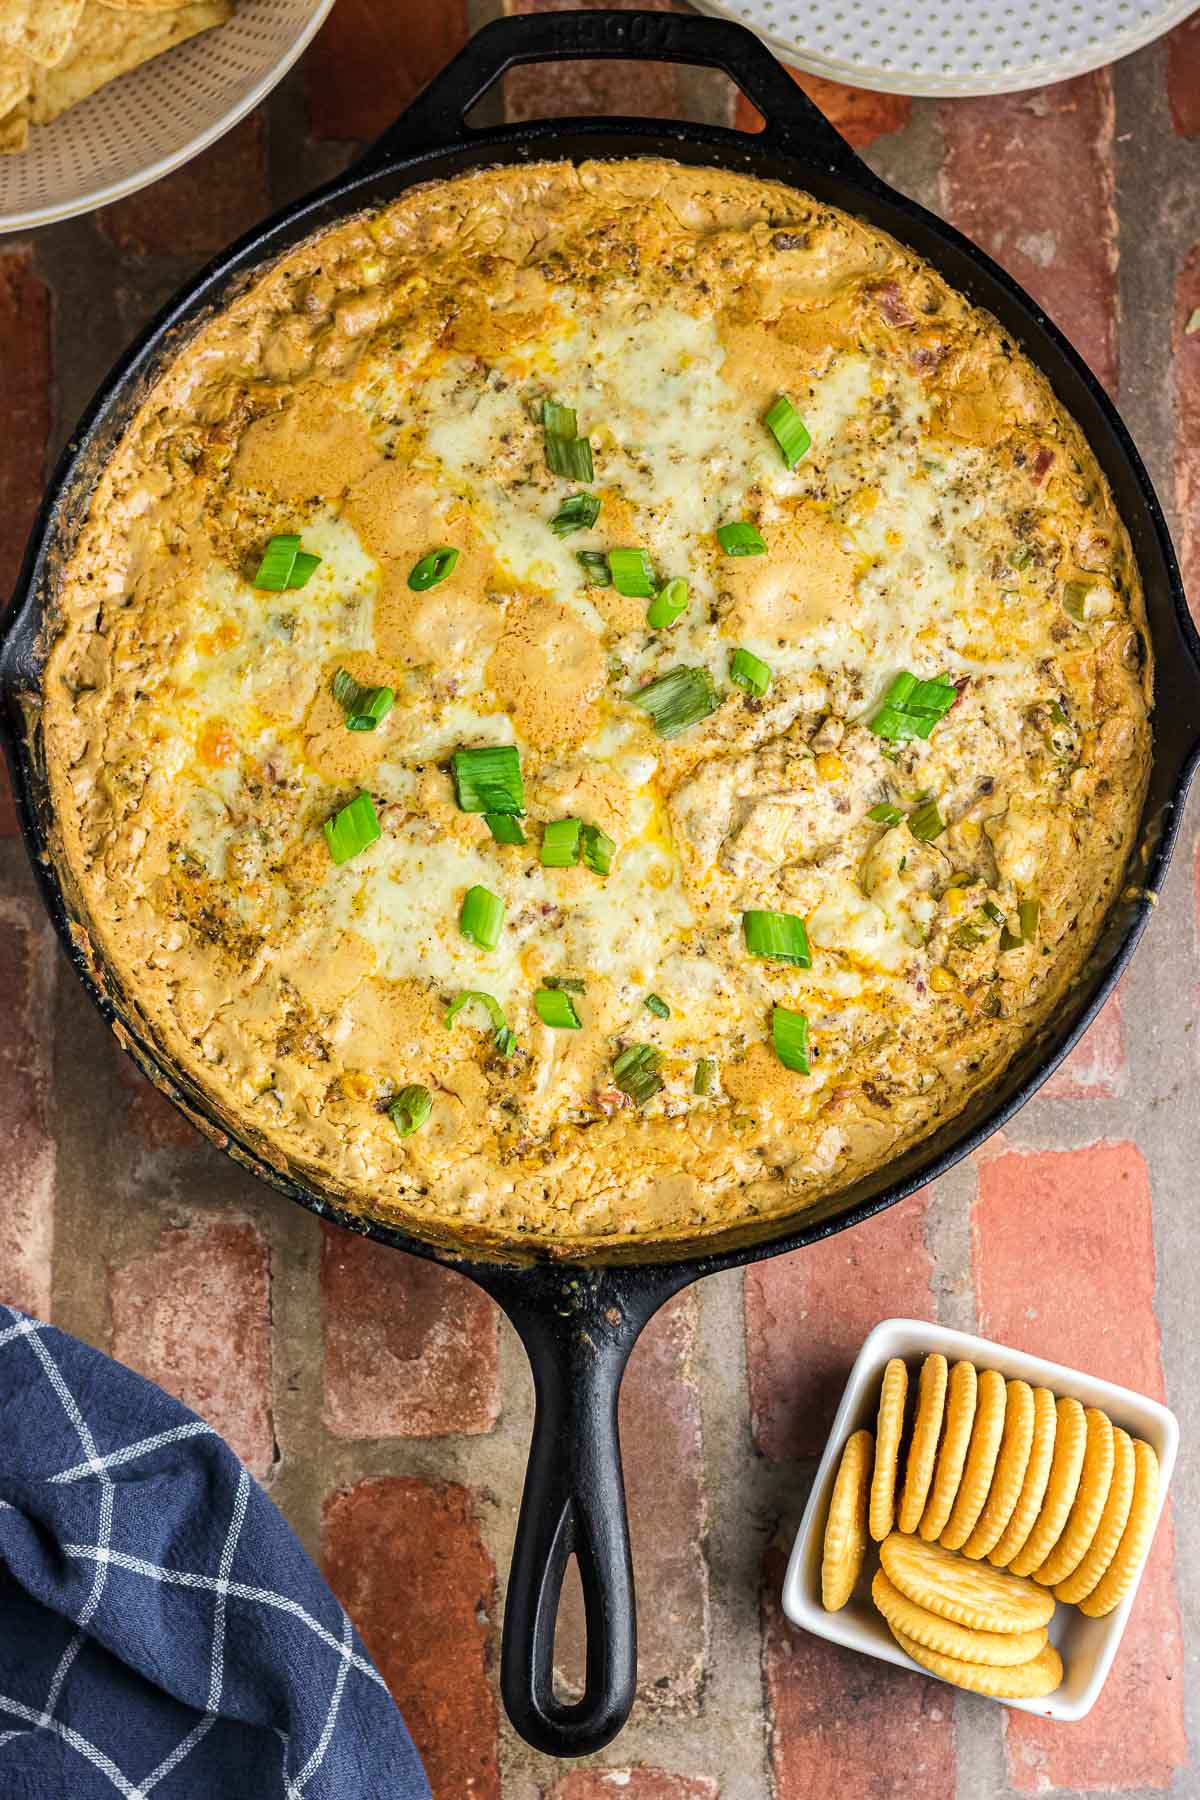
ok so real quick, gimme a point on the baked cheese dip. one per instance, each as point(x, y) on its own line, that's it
point(596, 701)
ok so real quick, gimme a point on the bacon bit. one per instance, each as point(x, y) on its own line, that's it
point(610, 1101)
point(960, 688)
point(927, 357)
point(216, 745)
point(1041, 463)
point(891, 305)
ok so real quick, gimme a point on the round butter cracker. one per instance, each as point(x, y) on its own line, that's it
point(1113, 1520)
point(1122, 1571)
point(1026, 1681)
point(956, 1436)
point(1033, 1488)
point(968, 1593)
point(922, 1447)
point(1070, 1442)
point(986, 1433)
point(999, 1649)
point(889, 1429)
point(1095, 1479)
point(1011, 1464)
point(846, 1526)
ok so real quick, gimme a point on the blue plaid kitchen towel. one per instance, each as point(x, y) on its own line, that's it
point(162, 1633)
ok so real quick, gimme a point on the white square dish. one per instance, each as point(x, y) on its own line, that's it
point(1087, 1646)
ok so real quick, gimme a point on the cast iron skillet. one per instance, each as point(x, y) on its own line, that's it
point(578, 1316)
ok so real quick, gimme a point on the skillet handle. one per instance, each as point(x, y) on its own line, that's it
point(578, 1329)
point(436, 119)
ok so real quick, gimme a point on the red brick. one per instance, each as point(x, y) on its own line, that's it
point(26, 1146)
point(1030, 178)
point(637, 1783)
point(193, 1314)
point(807, 1315)
point(149, 1115)
point(860, 114)
point(371, 57)
point(201, 207)
point(1064, 1267)
point(1186, 369)
point(25, 374)
point(411, 1349)
point(662, 1452)
point(406, 1560)
point(1096, 1068)
point(651, 90)
point(1183, 76)
point(844, 1725)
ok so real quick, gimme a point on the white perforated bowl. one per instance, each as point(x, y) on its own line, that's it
point(953, 47)
point(145, 124)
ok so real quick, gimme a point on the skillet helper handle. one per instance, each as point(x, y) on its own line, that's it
point(436, 118)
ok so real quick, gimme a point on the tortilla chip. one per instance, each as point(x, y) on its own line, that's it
point(142, 5)
point(15, 77)
point(108, 44)
point(14, 131)
point(40, 29)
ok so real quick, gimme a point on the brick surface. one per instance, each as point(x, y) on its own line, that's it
point(25, 378)
point(807, 1315)
point(663, 1456)
point(201, 207)
point(1183, 76)
point(1185, 362)
point(410, 1348)
point(406, 1560)
point(860, 114)
point(650, 90)
point(1030, 178)
point(632, 1784)
point(1096, 1068)
point(1083, 1294)
point(26, 1145)
point(371, 57)
point(844, 1727)
point(193, 1314)
point(149, 1115)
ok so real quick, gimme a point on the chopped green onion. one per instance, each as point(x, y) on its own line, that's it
point(305, 565)
point(911, 708)
point(885, 814)
point(1074, 600)
point(594, 564)
point(578, 512)
point(926, 822)
point(284, 564)
point(364, 707)
point(554, 1008)
point(779, 936)
point(481, 917)
point(560, 843)
point(410, 1109)
point(352, 829)
point(789, 1034)
point(504, 828)
point(678, 699)
point(598, 849)
point(740, 539)
point(993, 912)
point(788, 429)
point(488, 779)
point(653, 1004)
point(1028, 913)
point(1018, 557)
point(702, 1081)
point(749, 671)
point(635, 1072)
point(570, 984)
point(566, 452)
point(669, 604)
point(432, 568)
point(971, 933)
point(503, 1039)
point(632, 574)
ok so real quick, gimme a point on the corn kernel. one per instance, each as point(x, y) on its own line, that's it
point(830, 766)
point(941, 981)
point(956, 900)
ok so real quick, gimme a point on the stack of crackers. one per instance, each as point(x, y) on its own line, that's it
point(54, 53)
point(1059, 1501)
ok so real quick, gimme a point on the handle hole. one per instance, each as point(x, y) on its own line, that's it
point(645, 90)
point(570, 1638)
